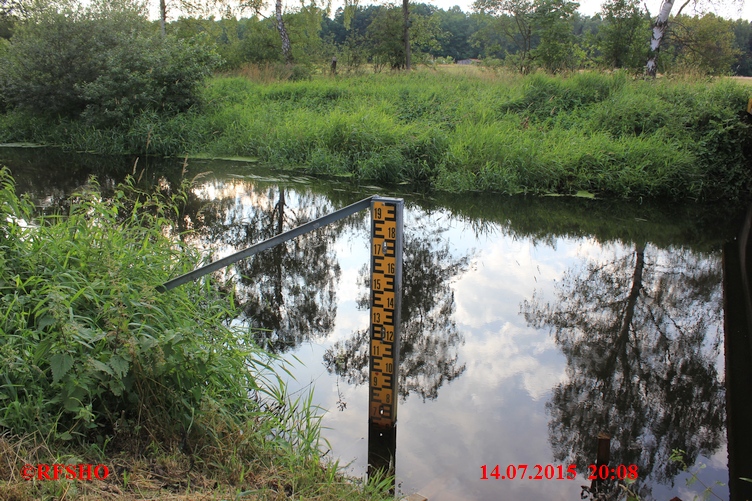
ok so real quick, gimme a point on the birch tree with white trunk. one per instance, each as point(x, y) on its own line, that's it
point(286, 46)
point(659, 30)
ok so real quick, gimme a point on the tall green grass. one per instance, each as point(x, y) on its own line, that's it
point(610, 134)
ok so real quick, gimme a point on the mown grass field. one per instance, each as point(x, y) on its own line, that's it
point(612, 135)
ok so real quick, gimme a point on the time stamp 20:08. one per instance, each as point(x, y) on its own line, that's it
point(558, 472)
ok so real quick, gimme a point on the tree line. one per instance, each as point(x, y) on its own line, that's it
point(105, 61)
point(524, 35)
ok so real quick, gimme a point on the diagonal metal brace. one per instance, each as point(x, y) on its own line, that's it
point(267, 244)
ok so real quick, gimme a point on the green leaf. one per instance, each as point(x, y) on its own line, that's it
point(101, 366)
point(196, 391)
point(45, 321)
point(61, 363)
point(120, 365)
point(584, 194)
point(72, 404)
point(116, 387)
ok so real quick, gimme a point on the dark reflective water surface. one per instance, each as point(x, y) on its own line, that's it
point(529, 325)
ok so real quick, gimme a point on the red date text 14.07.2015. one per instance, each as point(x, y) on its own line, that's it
point(557, 472)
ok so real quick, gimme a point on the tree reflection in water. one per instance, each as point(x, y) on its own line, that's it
point(429, 336)
point(641, 333)
point(289, 290)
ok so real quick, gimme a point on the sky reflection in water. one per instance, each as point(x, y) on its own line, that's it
point(490, 375)
point(483, 385)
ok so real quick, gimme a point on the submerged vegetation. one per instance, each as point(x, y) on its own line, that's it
point(606, 134)
point(99, 367)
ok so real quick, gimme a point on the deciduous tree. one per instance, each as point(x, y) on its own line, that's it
point(516, 20)
point(541, 31)
point(385, 36)
point(705, 44)
point(286, 48)
point(659, 31)
point(553, 23)
point(104, 64)
point(621, 37)
point(457, 29)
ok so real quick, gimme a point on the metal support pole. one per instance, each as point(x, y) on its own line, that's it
point(266, 244)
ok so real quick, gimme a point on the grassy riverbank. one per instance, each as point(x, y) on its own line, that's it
point(606, 134)
point(98, 367)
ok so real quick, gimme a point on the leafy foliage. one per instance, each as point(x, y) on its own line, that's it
point(540, 31)
point(90, 349)
point(457, 29)
point(743, 41)
point(702, 44)
point(385, 41)
point(622, 36)
point(103, 64)
point(515, 22)
point(555, 51)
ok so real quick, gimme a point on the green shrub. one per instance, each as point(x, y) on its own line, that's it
point(89, 349)
point(103, 64)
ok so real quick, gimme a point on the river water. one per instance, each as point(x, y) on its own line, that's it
point(529, 325)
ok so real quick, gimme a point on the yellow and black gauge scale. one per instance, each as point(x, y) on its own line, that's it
point(386, 289)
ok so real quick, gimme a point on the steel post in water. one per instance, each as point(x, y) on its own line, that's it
point(382, 450)
point(602, 486)
point(384, 338)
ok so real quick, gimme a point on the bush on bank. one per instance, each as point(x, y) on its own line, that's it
point(608, 134)
point(88, 345)
point(99, 65)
